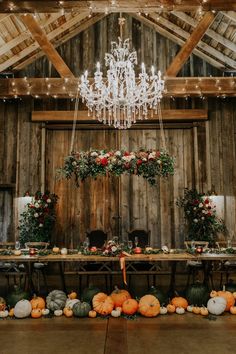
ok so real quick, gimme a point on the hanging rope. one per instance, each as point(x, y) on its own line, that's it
point(74, 122)
point(163, 140)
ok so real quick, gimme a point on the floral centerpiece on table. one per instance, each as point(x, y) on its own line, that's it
point(148, 164)
point(38, 219)
point(200, 214)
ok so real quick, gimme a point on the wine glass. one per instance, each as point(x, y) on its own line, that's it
point(115, 239)
point(130, 245)
point(86, 244)
point(136, 241)
point(192, 244)
point(17, 245)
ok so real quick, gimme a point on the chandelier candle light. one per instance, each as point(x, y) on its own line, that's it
point(119, 99)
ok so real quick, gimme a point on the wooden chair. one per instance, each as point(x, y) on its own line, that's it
point(39, 267)
point(194, 266)
point(226, 267)
point(12, 269)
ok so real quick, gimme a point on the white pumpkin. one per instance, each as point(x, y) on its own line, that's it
point(3, 314)
point(163, 310)
point(58, 313)
point(180, 310)
point(71, 302)
point(45, 312)
point(22, 309)
point(217, 305)
point(115, 313)
point(190, 308)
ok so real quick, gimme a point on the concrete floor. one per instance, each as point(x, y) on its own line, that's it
point(175, 334)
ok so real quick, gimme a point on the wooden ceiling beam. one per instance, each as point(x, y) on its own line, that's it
point(120, 5)
point(67, 88)
point(47, 47)
point(190, 44)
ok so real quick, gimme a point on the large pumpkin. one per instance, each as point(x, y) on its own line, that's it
point(230, 300)
point(81, 309)
point(129, 307)
point(16, 295)
point(149, 306)
point(22, 309)
point(158, 293)
point(56, 300)
point(88, 293)
point(103, 304)
point(38, 302)
point(216, 305)
point(119, 296)
point(197, 294)
point(179, 301)
point(2, 304)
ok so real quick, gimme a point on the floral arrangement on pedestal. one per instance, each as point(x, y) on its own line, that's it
point(200, 214)
point(37, 221)
point(148, 164)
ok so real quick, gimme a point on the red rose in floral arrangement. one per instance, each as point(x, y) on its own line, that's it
point(104, 161)
point(158, 153)
point(126, 153)
point(139, 162)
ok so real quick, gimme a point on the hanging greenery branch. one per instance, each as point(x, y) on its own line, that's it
point(148, 164)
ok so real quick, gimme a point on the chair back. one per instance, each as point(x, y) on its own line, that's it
point(225, 244)
point(204, 244)
point(38, 245)
point(142, 235)
point(97, 238)
point(5, 245)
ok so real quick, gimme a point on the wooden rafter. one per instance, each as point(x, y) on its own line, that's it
point(47, 47)
point(190, 44)
point(67, 88)
point(119, 5)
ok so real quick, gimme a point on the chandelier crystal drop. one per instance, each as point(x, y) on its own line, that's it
point(121, 99)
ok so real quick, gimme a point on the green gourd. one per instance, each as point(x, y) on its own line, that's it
point(56, 300)
point(81, 309)
point(197, 294)
point(230, 286)
point(16, 295)
point(89, 293)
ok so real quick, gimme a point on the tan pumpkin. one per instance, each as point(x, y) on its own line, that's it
point(72, 295)
point(92, 314)
point(233, 310)
point(103, 304)
point(204, 311)
point(227, 295)
point(11, 312)
point(119, 296)
point(68, 312)
point(149, 306)
point(36, 313)
point(130, 306)
point(196, 310)
point(170, 308)
point(179, 301)
point(38, 302)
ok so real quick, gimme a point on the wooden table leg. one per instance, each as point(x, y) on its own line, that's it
point(61, 267)
point(171, 290)
point(31, 287)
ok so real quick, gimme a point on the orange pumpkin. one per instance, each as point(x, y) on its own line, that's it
point(38, 302)
point(196, 310)
point(72, 295)
point(149, 306)
point(103, 304)
point(11, 312)
point(227, 295)
point(179, 301)
point(36, 313)
point(130, 306)
point(204, 311)
point(92, 314)
point(170, 308)
point(119, 296)
point(68, 312)
point(233, 310)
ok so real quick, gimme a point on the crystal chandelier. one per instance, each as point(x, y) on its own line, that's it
point(121, 98)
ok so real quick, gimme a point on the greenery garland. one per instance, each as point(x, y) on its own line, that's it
point(148, 164)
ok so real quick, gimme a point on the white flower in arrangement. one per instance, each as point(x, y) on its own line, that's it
point(203, 218)
point(200, 205)
point(132, 156)
point(152, 155)
point(113, 160)
point(114, 249)
point(118, 153)
point(94, 154)
point(204, 211)
point(194, 208)
point(36, 215)
point(46, 205)
point(127, 158)
point(195, 220)
point(40, 225)
point(188, 212)
point(36, 205)
point(48, 200)
point(74, 163)
point(159, 162)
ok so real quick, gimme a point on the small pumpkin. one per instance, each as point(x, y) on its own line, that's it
point(179, 301)
point(17, 252)
point(22, 309)
point(190, 308)
point(58, 313)
point(119, 296)
point(196, 310)
point(204, 311)
point(4, 313)
point(115, 313)
point(37, 302)
point(170, 308)
point(233, 310)
point(72, 295)
point(163, 310)
point(68, 312)
point(149, 306)
point(180, 310)
point(92, 314)
point(103, 304)
point(130, 306)
point(45, 312)
point(11, 312)
point(81, 309)
point(216, 305)
point(36, 313)
point(2, 304)
point(70, 303)
point(56, 249)
point(88, 293)
point(56, 300)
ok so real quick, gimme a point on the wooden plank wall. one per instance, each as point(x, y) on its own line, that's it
point(205, 154)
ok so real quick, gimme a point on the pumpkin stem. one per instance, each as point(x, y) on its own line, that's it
point(223, 287)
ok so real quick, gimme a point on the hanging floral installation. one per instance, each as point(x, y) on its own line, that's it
point(148, 164)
